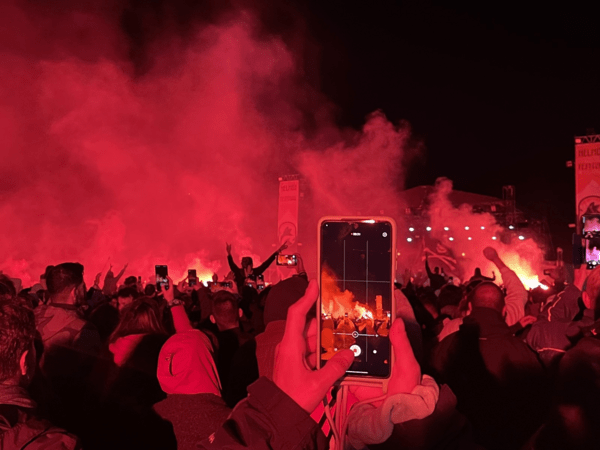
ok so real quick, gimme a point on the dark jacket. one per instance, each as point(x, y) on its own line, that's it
point(20, 429)
point(267, 419)
point(548, 335)
point(498, 380)
point(574, 416)
point(194, 416)
point(239, 274)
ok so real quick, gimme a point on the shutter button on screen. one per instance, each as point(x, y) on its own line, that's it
point(356, 349)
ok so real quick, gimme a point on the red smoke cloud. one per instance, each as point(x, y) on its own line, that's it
point(100, 164)
point(467, 233)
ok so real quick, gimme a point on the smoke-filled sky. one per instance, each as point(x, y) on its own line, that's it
point(153, 132)
point(105, 160)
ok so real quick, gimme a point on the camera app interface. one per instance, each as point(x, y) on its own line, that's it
point(356, 294)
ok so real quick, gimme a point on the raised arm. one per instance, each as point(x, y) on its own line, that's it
point(232, 265)
point(120, 274)
point(260, 269)
point(516, 294)
point(181, 321)
point(427, 269)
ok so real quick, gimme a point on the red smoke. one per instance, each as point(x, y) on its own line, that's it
point(165, 167)
point(466, 234)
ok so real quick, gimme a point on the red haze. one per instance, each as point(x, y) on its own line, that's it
point(165, 167)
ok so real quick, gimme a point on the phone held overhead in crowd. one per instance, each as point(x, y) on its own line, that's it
point(287, 260)
point(162, 272)
point(586, 246)
point(192, 277)
point(356, 304)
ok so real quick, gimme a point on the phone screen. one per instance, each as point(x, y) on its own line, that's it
point(192, 277)
point(287, 260)
point(591, 239)
point(356, 292)
point(161, 275)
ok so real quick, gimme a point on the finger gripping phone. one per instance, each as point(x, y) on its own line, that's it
point(287, 260)
point(161, 276)
point(356, 306)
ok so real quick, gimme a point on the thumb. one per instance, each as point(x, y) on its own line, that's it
point(335, 368)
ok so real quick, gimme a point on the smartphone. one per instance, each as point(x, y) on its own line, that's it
point(286, 260)
point(161, 276)
point(192, 277)
point(356, 306)
point(590, 243)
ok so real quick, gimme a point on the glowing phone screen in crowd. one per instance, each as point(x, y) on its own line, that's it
point(356, 293)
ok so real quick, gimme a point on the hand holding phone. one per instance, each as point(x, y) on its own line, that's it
point(192, 277)
point(406, 374)
point(291, 372)
point(162, 273)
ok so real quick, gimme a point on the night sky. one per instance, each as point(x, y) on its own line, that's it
point(495, 94)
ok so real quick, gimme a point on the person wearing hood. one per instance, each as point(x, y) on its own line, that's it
point(188, 375)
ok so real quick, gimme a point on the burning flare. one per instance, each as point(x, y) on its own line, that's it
point(336, 303)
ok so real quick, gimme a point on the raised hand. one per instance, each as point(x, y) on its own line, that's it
point(490, 253)
point(406, 373)
point(283, 247)
point(291, 372)
point(228, 248)
point(168, 294)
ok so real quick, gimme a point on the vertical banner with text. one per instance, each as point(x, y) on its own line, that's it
point(287, 222)
point(587, 176)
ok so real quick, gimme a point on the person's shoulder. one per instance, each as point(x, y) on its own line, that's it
point(34, 433)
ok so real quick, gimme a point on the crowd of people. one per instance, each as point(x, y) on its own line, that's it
point(481, 365)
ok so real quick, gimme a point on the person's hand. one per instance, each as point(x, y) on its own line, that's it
point(283, 247)
point(168, 294)
point(125, 266)
point(183, 287)
point(490, 253)
point(291, 372)
point(228, 248)
point(406, 373)
point(97, 279)
point(527, 320)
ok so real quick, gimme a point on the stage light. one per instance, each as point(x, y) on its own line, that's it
point(450, 238)
point(470, 238)
point(467, 228)
point(521, 238)
point(483, 228)
point(446, 228)
point(463, 254)
point(494, 237)
point(511, 227)
point(428, 228)
point(411, 229)
point(409, 239)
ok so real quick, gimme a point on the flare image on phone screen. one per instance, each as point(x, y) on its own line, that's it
point(356, 307)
